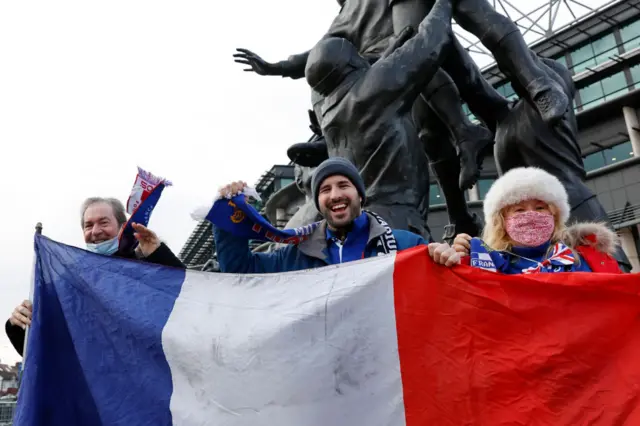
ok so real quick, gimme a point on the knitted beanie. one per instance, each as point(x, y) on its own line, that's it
point(336, 166)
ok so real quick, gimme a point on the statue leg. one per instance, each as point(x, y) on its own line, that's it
point(482, 98)
point(501, 36)
point(445, 164)
point(471, 140)
point(441, 93)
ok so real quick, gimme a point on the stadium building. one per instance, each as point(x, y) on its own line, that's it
point(600, 44)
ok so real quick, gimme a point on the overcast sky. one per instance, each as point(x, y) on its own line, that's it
point(89, 90)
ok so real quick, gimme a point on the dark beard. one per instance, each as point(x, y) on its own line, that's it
point(342, 231)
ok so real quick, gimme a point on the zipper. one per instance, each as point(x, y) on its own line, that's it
point(339, 244)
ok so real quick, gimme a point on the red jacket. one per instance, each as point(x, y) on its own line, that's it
point(598, 261)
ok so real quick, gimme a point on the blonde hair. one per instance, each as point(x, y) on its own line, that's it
point(495, 234)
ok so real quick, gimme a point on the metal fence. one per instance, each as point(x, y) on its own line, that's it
point(7, 409)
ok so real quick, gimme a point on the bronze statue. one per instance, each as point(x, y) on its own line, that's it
point(369, 26)
point(364, 111)
point(502, 37)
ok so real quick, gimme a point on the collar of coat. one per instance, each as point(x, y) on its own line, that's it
point(316, 244)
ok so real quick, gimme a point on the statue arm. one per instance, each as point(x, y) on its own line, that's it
point(403, 74)
point(294, 66)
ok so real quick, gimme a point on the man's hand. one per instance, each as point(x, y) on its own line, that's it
point(443, 254)
point(232, 189)
point(462, 244)
point(147, 239)
point(21, 315)
point(256, 63)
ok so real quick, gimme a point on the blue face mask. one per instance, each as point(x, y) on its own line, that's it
point(106, 248)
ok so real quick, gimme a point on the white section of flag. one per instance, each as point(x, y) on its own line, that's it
point(310, 348)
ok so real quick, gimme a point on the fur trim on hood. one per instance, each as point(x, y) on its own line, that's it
point(596, 235)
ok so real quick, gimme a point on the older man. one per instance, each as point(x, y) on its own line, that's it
point(102, 219)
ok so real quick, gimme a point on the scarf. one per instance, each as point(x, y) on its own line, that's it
point(560, 259)
point(236, 216)
point(144, 196)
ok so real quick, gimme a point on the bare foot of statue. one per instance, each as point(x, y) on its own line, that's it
point(472, 148)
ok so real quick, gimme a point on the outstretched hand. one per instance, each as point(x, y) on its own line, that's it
point(147, 239)
point(256, 63)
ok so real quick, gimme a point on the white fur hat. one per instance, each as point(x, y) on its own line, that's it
point(526, 183)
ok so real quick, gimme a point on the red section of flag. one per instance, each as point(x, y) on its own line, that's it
point(480, 348)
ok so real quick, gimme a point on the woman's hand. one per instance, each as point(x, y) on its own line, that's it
point(462, 244)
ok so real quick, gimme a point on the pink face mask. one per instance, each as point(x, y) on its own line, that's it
point(530, 228)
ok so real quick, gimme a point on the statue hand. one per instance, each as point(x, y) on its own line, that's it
point(256, 63)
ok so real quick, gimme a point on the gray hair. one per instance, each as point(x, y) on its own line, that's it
point(116, 206)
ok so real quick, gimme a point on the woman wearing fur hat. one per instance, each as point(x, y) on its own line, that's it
point(525, 213)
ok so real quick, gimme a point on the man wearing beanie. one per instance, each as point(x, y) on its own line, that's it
point(347, 232)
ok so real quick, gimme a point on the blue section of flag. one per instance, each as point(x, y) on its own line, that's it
point(236, 216)
point(141, 215)
point(89, 308)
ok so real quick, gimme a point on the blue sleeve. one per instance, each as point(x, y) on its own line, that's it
point(235, 257)
point(407, 240)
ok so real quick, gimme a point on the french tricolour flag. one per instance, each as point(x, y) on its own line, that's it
point(394, 340)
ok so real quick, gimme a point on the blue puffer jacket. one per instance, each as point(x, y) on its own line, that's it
point(235, 256)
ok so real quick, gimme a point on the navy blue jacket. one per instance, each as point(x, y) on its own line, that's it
point(235, 256)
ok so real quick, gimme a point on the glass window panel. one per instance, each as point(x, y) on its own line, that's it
point(285, 181)
point(604, 48)
point(562, 59)
point(582, 58)
point(630, 35)
point(483, 187)
point(617, 153)
point(593, 161)
point(468, 113)
point(615, 85)
point(635, 75)
point(435, 196)
point(509, 93)
point(591, 95)
point(506, 90)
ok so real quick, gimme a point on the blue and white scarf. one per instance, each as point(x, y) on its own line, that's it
point(484, 257)
point(236, 216)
